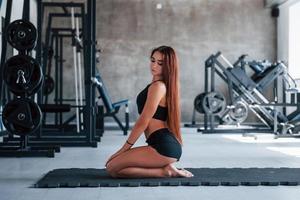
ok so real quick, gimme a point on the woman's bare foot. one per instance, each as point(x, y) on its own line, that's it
point(172, 171)
point(186, 173)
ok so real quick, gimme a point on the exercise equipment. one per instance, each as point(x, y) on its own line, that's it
point(2, 128)
point(21, 116)
point(21, 35)
point(238, 112)
point(62, 130)
point(213, 103)
point(23, 78)
point(79, 46)
point(54, 108)
point(77, 177)
point(48, 85)
point(198, 101)
point(75, 65)
point(23, 75)
point(112, 109)
point(246, 92)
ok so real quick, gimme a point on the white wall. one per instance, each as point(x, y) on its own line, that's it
point(283, 39)
point(283, 30)
point(2, 14)
point(294, 40)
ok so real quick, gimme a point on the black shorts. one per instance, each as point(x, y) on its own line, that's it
point(165, 143)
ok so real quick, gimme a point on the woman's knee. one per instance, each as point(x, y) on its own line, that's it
point(114, 166)
point(111, 171)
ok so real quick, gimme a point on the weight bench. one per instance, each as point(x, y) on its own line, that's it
point(111, 108)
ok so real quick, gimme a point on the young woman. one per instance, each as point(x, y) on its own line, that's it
point(158, 106)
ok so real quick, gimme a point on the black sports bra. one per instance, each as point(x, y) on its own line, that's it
point(161, 112)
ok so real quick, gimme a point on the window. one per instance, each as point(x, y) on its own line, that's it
point(294, 40)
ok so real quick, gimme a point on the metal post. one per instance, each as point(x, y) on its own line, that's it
point(26, 10)
point(56, 53)
point(212, 89)
point(78, 50)
point(61, 77)
point(4, 50)
point(89, 110)
point(206, 90)
point(93, 97)
point(75, 69)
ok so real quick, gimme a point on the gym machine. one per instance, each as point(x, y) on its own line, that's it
point(68, 134)
point(64, 132)
point(246, 93)
point(87, 136)
point(111, 108)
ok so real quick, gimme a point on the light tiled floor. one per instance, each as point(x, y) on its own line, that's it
point(18, 174)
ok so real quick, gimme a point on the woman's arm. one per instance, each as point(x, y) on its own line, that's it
point(156, 92)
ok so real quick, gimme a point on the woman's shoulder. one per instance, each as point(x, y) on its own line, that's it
point(158, 86)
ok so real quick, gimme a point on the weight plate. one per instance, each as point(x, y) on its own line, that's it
point(239, 112)
point(22, 74)
point(37, 88)
point(21, 35)
point(48, 86)
point(198, 103)
point(21, 116)
point(214, 103)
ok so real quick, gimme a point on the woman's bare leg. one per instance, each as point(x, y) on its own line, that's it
point(142, 162)
point(167, 171)
point(139, 172)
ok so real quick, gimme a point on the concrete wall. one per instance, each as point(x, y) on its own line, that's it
point(127, 30)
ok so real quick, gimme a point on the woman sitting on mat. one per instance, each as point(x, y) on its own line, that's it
point(158, 106)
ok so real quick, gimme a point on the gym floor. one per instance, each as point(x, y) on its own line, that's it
point(17, 175)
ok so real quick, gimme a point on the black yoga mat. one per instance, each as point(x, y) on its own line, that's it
point(75, 177)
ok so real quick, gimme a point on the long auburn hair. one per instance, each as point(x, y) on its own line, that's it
point(171, 79)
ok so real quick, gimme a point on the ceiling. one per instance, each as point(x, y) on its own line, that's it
point(274, 3)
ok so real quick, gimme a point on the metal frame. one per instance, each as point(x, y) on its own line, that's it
point(88, 136)
point(258, 104)
point(21, 148)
